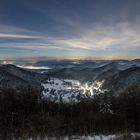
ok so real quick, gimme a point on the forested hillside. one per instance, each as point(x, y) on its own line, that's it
point(25, 114)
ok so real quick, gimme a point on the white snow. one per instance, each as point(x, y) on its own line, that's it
point(68, 90)
point(33, 67)
point(95, 137)
point(89, 137)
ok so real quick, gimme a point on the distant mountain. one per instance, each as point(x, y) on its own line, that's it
point(82, 74)
point(86, 72)
point(123, 80)
point(70, 63)
point(7, 80)
point(55, 63)
point(92, 77)
point(107, 73)
point(117, 75)
point(22, 73)
point(14, 77)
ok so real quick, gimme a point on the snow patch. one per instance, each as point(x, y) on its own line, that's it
point(69, 91)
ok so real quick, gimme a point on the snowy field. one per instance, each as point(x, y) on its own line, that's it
point(102, 137)
point(132, 136)
point(69, 90)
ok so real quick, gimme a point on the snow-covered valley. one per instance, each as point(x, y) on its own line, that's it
point(70, 91)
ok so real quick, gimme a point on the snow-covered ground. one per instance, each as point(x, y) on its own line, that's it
point(101, 137)
point(132, 136)
point(65, 90)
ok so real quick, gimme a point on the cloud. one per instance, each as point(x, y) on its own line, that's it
point(95, 38)
point(68, 28)
point(103, 37)
point(4, 35)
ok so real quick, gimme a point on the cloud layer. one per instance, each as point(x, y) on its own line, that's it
point(71, 29)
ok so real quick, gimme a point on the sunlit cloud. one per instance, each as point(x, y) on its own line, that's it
point(100, 38)
point(71, 29)
point(95, 38)
point(121, 36)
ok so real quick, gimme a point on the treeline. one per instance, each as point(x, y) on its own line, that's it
point(25, 114)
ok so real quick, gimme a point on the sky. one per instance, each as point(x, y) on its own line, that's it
point(70, 29)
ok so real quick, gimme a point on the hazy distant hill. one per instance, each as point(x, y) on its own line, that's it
point(117, 75)
point(7, 80)
point(123, 79)
point(12, 76)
